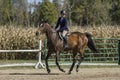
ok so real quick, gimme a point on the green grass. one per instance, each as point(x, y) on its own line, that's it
point(32, 67)
point(113, 66)
point(51, 66)
point(19, 67)
point(17, 61)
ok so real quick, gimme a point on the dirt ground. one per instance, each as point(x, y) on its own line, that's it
point(41, 74)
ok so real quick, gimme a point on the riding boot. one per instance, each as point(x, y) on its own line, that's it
point(65, 42)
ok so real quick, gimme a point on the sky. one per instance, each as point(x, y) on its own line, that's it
point(36, 1)
point(32, 1)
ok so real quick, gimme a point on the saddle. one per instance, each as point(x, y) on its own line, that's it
point(64, 39)
point(60, 35)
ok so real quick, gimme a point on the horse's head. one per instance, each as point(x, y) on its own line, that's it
point(43, 28)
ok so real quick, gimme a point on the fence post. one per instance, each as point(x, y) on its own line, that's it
point(45, 49)
point(39, 56)
point(118, 52)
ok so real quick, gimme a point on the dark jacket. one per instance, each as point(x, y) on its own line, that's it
point(62, 22)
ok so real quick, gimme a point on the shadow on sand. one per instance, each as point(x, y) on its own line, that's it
point(29, 74)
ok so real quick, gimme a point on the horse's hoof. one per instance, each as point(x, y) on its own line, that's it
point(77, 70)
point(48, 71)
point(69, 73)
point(63, 70)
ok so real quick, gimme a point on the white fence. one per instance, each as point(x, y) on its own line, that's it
point(39, 63)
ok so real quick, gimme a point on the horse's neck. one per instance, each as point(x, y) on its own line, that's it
point(49, 34)
point(52, 35)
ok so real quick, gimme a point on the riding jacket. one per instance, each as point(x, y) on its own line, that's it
point(63, 24)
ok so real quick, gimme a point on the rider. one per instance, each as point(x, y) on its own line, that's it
point(63, 28)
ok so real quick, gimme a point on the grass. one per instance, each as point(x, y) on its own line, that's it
point(17, 61)
point(2, 62)
point(32, 67)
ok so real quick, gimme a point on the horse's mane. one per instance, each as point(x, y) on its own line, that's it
point(50, 28)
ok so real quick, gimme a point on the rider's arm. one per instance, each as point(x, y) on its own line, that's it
point(64, 22)
point(58, 22)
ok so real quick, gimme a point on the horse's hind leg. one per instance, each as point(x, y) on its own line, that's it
point(57, 59)
point(74, 61)
point(80, 59)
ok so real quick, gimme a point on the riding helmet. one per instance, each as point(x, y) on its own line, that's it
point(63, 12)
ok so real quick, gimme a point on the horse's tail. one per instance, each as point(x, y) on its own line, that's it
point(91, 43)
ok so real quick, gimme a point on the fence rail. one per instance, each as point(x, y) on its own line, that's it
point(7, 51)
point(39, 63)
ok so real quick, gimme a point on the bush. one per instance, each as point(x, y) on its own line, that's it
point(12, 38)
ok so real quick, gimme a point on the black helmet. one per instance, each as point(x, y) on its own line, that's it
point(63, 12)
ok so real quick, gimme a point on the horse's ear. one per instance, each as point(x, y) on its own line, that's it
point(46, 21)
point(52, 26)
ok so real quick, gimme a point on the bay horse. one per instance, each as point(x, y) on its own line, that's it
point(77, 42)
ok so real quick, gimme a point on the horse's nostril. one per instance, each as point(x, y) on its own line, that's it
point(37, 33)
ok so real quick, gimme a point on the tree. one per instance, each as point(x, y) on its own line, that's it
point(57, 4)
point(6, 11)
point(115, 12)
point(45, 11)
point(89, 12)
point(67, 6)
point(20, 12)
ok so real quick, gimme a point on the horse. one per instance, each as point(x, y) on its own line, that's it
point(77, 42)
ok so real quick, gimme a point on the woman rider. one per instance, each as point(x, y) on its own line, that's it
point(63, 27)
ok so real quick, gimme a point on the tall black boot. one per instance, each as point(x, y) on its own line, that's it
point(65, 42)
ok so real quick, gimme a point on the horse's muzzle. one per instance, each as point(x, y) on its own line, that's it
point(37, 33)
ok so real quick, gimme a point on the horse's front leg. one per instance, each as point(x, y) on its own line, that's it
point(46, 62)
point(57, 59)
